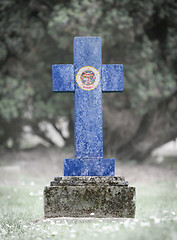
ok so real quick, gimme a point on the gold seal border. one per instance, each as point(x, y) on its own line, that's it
point(97, 83)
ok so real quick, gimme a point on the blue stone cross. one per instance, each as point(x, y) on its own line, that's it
point(88, 78)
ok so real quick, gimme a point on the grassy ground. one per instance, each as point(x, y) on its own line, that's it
point(21, 205)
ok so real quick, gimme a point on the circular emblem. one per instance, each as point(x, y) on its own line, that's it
point(88, 78)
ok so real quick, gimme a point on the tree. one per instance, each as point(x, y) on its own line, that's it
point(141, 35)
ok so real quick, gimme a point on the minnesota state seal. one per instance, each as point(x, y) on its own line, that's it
point(88, 78)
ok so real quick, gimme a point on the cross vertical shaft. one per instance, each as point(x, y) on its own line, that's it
point(88, 104)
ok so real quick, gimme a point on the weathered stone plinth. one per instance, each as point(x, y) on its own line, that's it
point(89, 197)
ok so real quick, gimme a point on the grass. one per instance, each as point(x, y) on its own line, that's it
point(21, 206)
point(21, 216)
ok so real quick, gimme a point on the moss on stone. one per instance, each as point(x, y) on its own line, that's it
point(104, 200)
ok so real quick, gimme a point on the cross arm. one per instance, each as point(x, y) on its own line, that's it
point(63, 78)
point(112, 77)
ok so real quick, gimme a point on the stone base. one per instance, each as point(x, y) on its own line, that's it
point(105, 197)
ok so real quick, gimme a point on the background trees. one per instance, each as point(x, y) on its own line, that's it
point(141, 35)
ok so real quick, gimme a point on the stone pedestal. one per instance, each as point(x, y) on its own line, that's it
point(103, 197)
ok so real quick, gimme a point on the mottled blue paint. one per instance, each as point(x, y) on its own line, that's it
point(112, 78)
point(89, 167)
point(88, 104)
point(63, 78)
point(88, 159)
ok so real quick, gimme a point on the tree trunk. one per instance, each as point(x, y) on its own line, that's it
point(156, 127)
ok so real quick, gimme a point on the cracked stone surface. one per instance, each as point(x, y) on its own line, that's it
point(89, 197)
point(88, 180)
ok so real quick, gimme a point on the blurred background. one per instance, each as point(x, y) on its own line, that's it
point(141, 35)
point(37, 126)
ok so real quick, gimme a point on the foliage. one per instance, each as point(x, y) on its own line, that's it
point(36, 34)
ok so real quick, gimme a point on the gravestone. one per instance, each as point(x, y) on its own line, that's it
point(89, 187)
